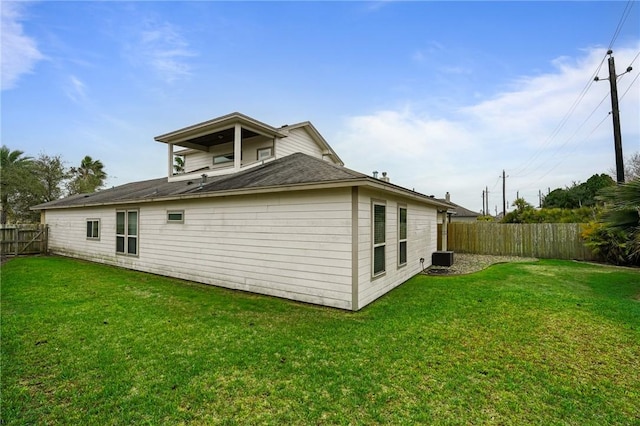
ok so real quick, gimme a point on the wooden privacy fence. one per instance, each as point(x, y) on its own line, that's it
point(541, 240)
point(23, 239)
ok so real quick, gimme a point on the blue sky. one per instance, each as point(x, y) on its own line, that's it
point(441, 95)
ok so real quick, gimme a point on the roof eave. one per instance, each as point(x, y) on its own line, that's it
point(367, 181)
point(217, 124)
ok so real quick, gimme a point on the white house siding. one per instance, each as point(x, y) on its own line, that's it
point(298, 141)
point(421, 243)
point(199, 159)
point(291, 245)
point(68, 233)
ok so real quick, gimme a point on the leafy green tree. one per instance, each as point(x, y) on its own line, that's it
point(45, 183)
point(178, 164)
point(593, 186)
point(559, 198)
point(578, 195)
point(51, 174)
point(14, 173)
point(521, 214)
point(89, 177)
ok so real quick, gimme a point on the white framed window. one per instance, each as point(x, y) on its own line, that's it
point(175, 216)
point(264, 153)
point(224, 158)
point(93, 229)
point(127, 232)
point(402, 235)
point(378, 240)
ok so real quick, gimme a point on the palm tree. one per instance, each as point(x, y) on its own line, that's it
point(178, 164)
point(14, 167)
point(623, 214)
point(89, 177)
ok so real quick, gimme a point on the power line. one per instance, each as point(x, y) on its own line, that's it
point(620, 77)
point(563, 122)
point(521, 169)
point(586, 138)
point(623, 19)
point(632, 82)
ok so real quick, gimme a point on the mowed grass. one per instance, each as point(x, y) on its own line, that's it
point(550, 342)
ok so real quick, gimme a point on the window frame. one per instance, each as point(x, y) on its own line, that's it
point(406, 234)
point(381, 244)
point(126, 235)
point(92, 221)
point(175, 212)
point(225, 158)
point(261, 150)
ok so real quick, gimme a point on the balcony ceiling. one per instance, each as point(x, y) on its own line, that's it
point(218, 138)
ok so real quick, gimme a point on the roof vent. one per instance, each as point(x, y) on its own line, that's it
point(385, 178)
point(375, 174)
point(203, 180)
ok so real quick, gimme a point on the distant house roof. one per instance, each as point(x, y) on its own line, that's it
point(293, 172)
point(458, 210)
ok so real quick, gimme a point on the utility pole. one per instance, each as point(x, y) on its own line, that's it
point(615, 113)
point(539, 198)
point(486, 192)
point(483, 210)
point(504, 194)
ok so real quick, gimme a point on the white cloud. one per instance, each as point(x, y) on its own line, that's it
point(164, 49)
point(432, 49)
point(517, 130)
point(19, 52)
point(76, 90)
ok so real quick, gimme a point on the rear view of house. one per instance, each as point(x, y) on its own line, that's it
point(260, 209)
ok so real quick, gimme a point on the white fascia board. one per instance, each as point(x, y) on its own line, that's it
point(218, 124)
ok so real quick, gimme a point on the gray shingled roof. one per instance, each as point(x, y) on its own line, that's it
point(290, 170)
point(460, 211)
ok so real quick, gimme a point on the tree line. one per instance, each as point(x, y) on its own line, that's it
point(27, 181)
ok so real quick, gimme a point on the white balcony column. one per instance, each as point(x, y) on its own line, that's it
point(170, 159)
point(237, 147)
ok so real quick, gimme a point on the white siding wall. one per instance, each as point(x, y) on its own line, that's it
point(421, 243)
point(250, 146)
point(68, 233)
point(297, 141)
point(197, 160)
point(291, 245)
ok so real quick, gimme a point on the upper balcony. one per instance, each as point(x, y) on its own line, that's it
point(220, 146)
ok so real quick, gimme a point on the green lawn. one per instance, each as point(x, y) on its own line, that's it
point(551, 342)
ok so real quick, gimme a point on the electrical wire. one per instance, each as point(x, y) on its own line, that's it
point(586, 138)
point(631, 84)
point(519, 172)
point(621, 22)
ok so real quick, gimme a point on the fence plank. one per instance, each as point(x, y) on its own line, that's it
point(23, 239)
point(542, 240)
